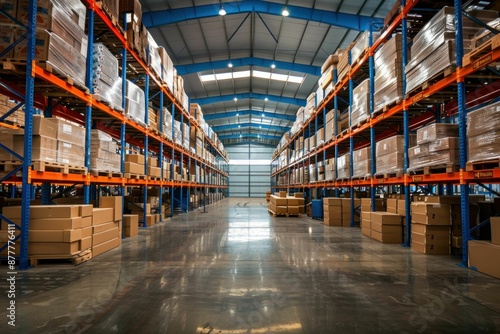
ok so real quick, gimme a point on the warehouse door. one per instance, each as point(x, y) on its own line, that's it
point(249, 170)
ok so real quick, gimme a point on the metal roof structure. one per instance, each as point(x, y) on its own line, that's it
point(253, 68)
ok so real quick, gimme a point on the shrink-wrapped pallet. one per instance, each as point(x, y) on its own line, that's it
point(136, 103)
point(483, 133)
point(360, 109)
point(106, 82)
point(362, 163)
point(436, 131)
point(390, 154)
point(343, 163)
point(103, 152)
point(441, 151)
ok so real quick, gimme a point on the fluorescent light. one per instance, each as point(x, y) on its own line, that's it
point(273, 65)
point(239, 126)
point(242, 74)
point(241, 136)
point(253, 73)
point(237, 115)
point(230, 65)
point(266, 99)
point(222, 11)
point(263, 115)
point(285, 12)
point(235, 99)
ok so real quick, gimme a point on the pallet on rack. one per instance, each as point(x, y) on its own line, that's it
point(389, 106)
point(388, 175)
point(135, 176)
point(107, 103)
point(74, 259)
point(9, 165)
point(45, 166)
point(103, 6)
point(432, 80)
point(482, 164)
point(107, 173)
point(361, 55)
point(480, 51)
point(47, 66)
point(427, 170)
point(360, 123)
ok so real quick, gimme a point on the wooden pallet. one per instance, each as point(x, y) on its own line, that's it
point(135, 176)
point(482, 164)
point(480, 51)
point(9, 165)
point(107, 103)
point(44, 166)
point(75, 259)
point(47, 66)
point(362, 54)
point(359, 124)
point(389, 175)
point(284, 214)
point(443, 168)
point(389, 106)
point(106, 173)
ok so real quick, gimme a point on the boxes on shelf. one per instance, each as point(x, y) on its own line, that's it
point(103, 152)
point(361, 44)
point(347, 212)
point(6, 105)
point(135, 108)
point(360, 110)
point(430, 239)
point(386, 227)
point(343, 163)
point(362, 163)
point(106, 81)
point(441, 152)
point(390, 154)
point(132, 6)
point(483, 133)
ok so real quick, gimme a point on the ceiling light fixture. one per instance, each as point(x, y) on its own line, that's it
point(230, 65)
point(285, 12)
point(266, 99)
point(235, 99)
point(239, 126)
point(222, 11)
point(237, 115)
point(258, 136)
point(241, 136)
point(263, 115)
point(273, 65)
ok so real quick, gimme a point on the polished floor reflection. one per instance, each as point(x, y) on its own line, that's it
point(236, 269)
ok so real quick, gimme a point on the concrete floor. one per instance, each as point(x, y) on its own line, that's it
point(236, 269)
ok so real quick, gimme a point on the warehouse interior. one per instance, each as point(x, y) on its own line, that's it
point(250, 166)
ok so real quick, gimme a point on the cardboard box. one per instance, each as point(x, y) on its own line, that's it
point(484, 257)
point(104, 247)
point(366, 231)
point(114, 202)
point(130, 220)
point(281, 209)
point(279, 201)
point(87, 231)
point(332, 222)
point(385, 218)
point(387, 238)
point(430, 249)
point(438, 230)
point(392, 205)
point(49, 223)
point(86, 243)
point(54, 248)
point(421, 218)
point(43, 127)
point(130, 231)
point(456, 242)
point(366, 215)
point(86, 221)
point(150, 220)
point(86, 210)
point(282, 194)
point(292, 201)
point(105, 227)
point(428, 239)
point(386, 229)
point(102, 237)
point(135, 158)
point(44, 211)
point(293, 209)
point(102, 215)
point(401, 207)
point(366, 224)
point(298, 195)
point(302, 209)
point(332, 201)
point(334, 214)
point(495, 230)
point(55, 235)
point(433, 209)
point(134, 168)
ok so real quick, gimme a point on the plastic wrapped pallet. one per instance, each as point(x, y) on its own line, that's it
point(50, 11)
point(483, 133)
point(362, 163)
point(436, 131)
point(106, 81)
point(177, 132)
point(485, 34)
point(136, 103)
point(388, 73)
point(343, 163)
point(433, 47)
point(360, 110)
point(441, 151)
point(362, 43)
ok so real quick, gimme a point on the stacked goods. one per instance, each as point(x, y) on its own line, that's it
point(388, 76)
point(437, 144)
point(328, 71)
point(485, 255)
point(56, 231)
point(106, 231)
point(312, 173)
point(330, 170)
point(134, 36)
point(430, 229)
point(186, 135)
point(60, 36)
point(386, 227)
point(196, 111)
point(361, 44)
point(320, 137)
point(6, 105)
point(343, 164)
point(332, 211)
point(366, 208)
point(310, 106)
point(483, 133)
point(140, 210)
point(343, 66)
point(362, 163)
point(177, 132)
point(278, 204)
point(70, 142)
point(433, 48)
point(268, 196)
point(167, 66)
point(152, 53)
point(103, 152)
point(152, 118)
point(167, 123)
point(329, 125)
point(106, 81)
point(360, 110)
point(284, 204)
point(136, 103)
point(347, 212)
point(321, 170)
point(134, 164)
point(153, 169)
point(296, 204)
point(112, 7)
point(390, 154)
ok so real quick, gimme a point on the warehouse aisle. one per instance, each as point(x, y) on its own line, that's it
point(236, 269)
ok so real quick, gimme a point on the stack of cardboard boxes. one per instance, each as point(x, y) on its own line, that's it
point(134, 164)
point(130, 225)
point(431, 228)
point(366, 208)
point(103, 152)
point(107, 224)
point(17, 117)
point(70, 142)
point(283, 204)
point(386, 227)
point(485, 255)
point(337, 211)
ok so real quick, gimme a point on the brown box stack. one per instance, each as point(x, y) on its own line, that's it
point(390, 154)
point(134, 164)
point(103, 152)
point(106, 231)
point(70, 142)
point(346, 211)
point(483, 133)
point(130, 225)
point(332, 211)
point(386, 227)
point(431, 228)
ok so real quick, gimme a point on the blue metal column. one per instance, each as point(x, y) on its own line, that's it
point(462, 128)
point(181, 162)
point(323, 192)
point(336, 131)
point(406, 126)
point(124, 105)
point(88, 110)
point(373, 155)
point(28, 132)
point(172, 164)
point(351, 144)
point(438, 107)
point(146, 144)
point(161, 158)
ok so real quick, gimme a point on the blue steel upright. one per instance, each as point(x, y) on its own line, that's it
point(351, 143)
point(172, 167)
point(373, 155)
point(336, 130)
point(146, 144)
point(462, 132)
point(28, 132)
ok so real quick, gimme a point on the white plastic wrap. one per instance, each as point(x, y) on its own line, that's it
point(343, 163)
point(436, 131)
point(441, 151)
point(136, 103)
point(483, 133)
point(106, 82)
point(360, 110)
point(361, 163)
point(362, 43)
point(103, 152)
